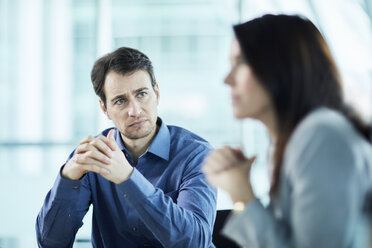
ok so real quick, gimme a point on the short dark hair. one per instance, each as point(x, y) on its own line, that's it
point(124, 61)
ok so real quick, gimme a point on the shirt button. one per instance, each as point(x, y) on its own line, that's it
point(125, 195)
point(76, 187)
point(134, 229)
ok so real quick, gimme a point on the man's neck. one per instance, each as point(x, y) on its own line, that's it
point(137, 147)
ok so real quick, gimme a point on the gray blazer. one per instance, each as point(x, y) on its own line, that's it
point(325, 176)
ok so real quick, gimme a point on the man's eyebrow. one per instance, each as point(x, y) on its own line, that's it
point(125, 95)
point(140, 89)
point(118, 97)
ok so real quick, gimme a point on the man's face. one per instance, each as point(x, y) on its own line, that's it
point(131, 103)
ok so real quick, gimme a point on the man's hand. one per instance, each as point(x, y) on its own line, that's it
point(100, 155)
point(119, 167)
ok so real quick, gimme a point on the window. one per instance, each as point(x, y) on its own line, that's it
point(47, 103)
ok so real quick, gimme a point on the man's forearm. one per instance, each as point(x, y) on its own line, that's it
point(58, 219)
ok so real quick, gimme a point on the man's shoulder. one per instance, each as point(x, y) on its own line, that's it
point(184, 137)
point(105, 132)
point(188, 146)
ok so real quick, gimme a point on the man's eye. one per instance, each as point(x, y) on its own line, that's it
point(119, 102)
point(142, 94)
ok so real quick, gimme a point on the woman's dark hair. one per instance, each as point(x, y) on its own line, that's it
point(294, 64)
point(124, 61)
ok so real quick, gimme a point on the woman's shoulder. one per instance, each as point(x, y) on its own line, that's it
point(324, 118)
point(327, 135)
point(325, 124)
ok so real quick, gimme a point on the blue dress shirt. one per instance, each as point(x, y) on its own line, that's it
point(165, 203)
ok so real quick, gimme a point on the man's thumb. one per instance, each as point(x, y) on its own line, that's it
point(111, 134)
point(111, 138)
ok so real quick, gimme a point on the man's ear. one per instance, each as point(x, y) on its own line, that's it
point(102, 105)
point(157, 92)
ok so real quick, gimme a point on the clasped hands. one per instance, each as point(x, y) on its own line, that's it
point(227, 168)
point(100, 155)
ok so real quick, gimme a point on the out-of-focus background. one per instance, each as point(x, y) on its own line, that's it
point(47, 103)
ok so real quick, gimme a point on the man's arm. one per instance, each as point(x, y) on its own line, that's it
point(61, 215)
point(188, 222)
point(68, 201)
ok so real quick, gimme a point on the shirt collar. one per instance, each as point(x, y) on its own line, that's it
point(160, 145)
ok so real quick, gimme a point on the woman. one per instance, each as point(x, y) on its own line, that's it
point(283, 74)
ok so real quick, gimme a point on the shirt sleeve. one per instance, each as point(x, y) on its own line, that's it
point(62, 212)
point(185, 223)
point(323, 197)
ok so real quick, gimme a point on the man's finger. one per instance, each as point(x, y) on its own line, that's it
point(92, 157)
point(96, 168)
point(102, 144)
point(86, 140)
point(111, 138)
point(85, 147)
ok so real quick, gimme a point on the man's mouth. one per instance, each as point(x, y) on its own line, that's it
point(137, 123)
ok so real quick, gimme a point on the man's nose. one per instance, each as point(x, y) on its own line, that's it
point(134, 109)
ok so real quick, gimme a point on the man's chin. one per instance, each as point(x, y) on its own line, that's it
point(139, 134)
point(135, 136)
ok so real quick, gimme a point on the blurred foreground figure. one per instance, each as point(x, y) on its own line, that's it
point(283, 74)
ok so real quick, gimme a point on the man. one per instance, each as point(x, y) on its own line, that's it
point(142, 177)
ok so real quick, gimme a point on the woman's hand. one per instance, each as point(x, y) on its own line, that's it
point(227, 168)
